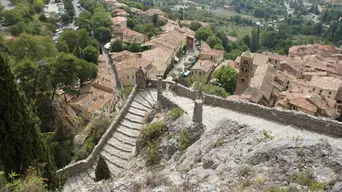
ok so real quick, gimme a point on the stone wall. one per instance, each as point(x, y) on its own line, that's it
point(166, 102)
point(83, 165)
point(288, 117)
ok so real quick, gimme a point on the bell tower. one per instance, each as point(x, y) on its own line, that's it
point(245, 72)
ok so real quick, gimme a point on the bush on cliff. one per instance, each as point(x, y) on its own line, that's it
point(175, 113)
point(102, 171)
point(152, 132)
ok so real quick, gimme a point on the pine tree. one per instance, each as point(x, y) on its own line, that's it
point(78, 52)
point(102, 171)
point(21, 143)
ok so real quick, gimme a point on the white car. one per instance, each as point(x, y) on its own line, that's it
point(107, 45)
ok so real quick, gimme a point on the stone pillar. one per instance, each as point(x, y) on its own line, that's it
point(160, 85)
point(198, 111)
point(200, 92)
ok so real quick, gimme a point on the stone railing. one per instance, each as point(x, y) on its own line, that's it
point(83, 165)
point(288, 117)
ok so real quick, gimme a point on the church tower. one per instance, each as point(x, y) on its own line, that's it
point(245, 72)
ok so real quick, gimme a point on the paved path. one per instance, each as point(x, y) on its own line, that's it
point(119, 148)
point(213, 115)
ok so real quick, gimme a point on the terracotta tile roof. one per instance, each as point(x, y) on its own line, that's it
point(119, 56)
point(170, 40)
point(158, 54)
point(132, 62)
point(151, 12)
point(227, 63)
point(129, 34)
point(91, 99)
point(328, 83)
point(214, 52)
point(135, 10)
point(120, 12)
point(204, 65)
point(259, 59)
point(276, 56)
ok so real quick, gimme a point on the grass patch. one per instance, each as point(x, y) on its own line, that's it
point(183, 140)
point(307, 179)
point(125, 91)
point(277, 189)
point(152, 153)
point(260, 180)
point(152, 131)
point(229, 13)
point(267, 135)
point(175, 113)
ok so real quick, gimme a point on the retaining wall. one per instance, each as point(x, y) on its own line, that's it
point(288, 117)
point(83, 165)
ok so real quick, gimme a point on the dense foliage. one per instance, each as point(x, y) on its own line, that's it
point(102, 171)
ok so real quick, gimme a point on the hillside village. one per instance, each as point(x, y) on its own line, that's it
point(307, 80)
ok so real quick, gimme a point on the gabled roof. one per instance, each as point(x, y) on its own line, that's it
point(204, 65)
point(328, 83)
point(132, 62)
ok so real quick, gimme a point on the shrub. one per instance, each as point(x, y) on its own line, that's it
point(267, 135)
point(307, 179)
point(175, 113)
point(102, 171)
point(152, 131)
point(183, 140)
point(125, 91)
point(152, 153)
point(85, 150)
point(2, 180)
point(99, 126)
point(31, 182)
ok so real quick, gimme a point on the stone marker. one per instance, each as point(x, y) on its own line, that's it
point(200, 92)
point(198, 111)
point(160, 85)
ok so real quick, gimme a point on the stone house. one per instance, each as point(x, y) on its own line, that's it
point(130, 36)
point(203, 67)
point(127, 68)
point(158, 54)
point(119, 23)
point(212, 54)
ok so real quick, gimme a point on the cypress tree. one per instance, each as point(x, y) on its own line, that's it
point(21, 143)
point(102, 171)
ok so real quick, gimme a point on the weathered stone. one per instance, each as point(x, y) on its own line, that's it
point(198, 110)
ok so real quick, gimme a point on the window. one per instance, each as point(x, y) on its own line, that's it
point(245, 62)
point(276, 61)
point(329, 97)
point(246, 69)
point(243, 80)
point(320, 91)
point(132, 76)
point(313, 89)
point(286, 87)
point(329, 92)
point(288, 82)
point(127, 76)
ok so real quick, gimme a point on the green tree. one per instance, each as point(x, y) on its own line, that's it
point(85, 70)
point(219, 47)
point(227, 77)
point(215, 90)
point(149, 30)
point(33, 47)
point(117, 46)
point(134, 47)
point(213, 40)
point(155, 19)
point(203, 33)
point(62, 46)
point(63, 71)
point(195, 25)
point(102, 171)
point(71, 38)
point(102, 34)
point(91, 54)
point(26, 71)
point(78, 52)
point(254, 42)
point(21, 143)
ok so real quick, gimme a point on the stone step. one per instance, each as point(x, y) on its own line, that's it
point(153, 94)
point(111, 159)
point(124, 139)
point(130, 126)
point(137, 112)
point(141, 101)
point(66, 187)
point(138, 106)
point(86, 178)
point(79, 181)
point(132, 123)
point(134, 133)
point(141, 98)
point(91, 172)
point(116, 152)
point(146, 97)
point(73, 183)
point(134, 118)
point(147, 94)
point(127, 133)
point(119, 146)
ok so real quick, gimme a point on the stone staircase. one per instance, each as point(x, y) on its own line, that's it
point(119, 148)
